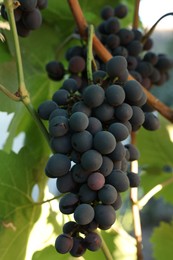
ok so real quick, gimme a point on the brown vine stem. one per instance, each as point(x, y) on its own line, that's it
point(136, 15)
point(143, 201)
point(135, 207)
point(105, 55)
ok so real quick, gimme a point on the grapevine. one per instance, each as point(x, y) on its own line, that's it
point(90, 122)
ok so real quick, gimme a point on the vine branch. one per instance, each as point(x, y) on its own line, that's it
point(136, 15)
point(143, 201)
point(105, 55)
point(90, 54)
point(105, 249)
point(9, 94)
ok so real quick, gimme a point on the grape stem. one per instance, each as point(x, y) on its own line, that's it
point(90, 53)
point(143, 201)
point(105, 249)
point(22, 92)
point(9, 94)
point(136, 15)
point(105, 55)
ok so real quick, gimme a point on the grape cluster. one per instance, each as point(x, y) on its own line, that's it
point(27, 15)
point(143, 64)
point(147, 67)
point(90, 161)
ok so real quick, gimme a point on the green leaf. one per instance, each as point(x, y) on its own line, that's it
point(49, 253)
point(161, 239)
point(156, 153)
point(19, 173)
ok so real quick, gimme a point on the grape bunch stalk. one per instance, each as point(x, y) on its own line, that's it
point(88, 127)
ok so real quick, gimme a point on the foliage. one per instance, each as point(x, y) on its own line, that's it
point(21, 172)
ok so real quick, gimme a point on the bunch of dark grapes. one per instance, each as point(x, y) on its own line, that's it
point(27, 15)
point(147, 67)
point(90, 162)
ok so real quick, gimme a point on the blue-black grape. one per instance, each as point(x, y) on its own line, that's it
point(134, 179)
point(93, 96)
point(119, 180)
point(32, 20)
point(78, 121)
point(119, 131)
point(107, 194)
point(68, 203)
point(79, 247)
point(84, 214)
point(63, 243)
point(66, 183)
point(93, 241)
point(104, 142)
point(80, 106)
point(151, 122)
point(79, 175)
point(104, 215)
point(115, 95)
point(91, 160)
point(107, 166)
point(96, 181)
point(104, 112)
point(61, 97)
point(58, 126)
point(115, 66)
point(106, 12)
point(55, 70)
point(46, 108)
point(133, 152)
point(87, 195)
point(57, 165)
point(118, 153)
point(123, 112)
point(82, 141)
point(61, 144)
point(121, 11)
point(94, 125)
point(76, 64)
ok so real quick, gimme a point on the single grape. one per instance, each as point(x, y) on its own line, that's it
point(84, 214)
point(119, 180)
point(104, 112)
point(63, 243)
point(106, 12)
point(86, 195)
point(115, 95)
point(58, 126)
point(119, 131)
point(70, 227)
point(107, 166)
point(46, 108)
point(66, 183)
point(94, 125)
point(57, 165)
point(70, 85)
point(68, 203)
point(118, 153)
point(121, 11)
point(112, 25)
point(82, 141)
point(133, 179)
point(79, 247)
point(104, 142)
point(61, 144)
point(105, 215)
point(107, 194)
point(55, 70)
point(93, 96)
point(79, 175)
point(61, 97)
point(78, 121)
point(151, 122)
point(115, 66)
point(96, 181)
point(76, 64)
point(123, 112)
point(133, 152)
point(91, 160)
point(93, 241)
point(32, 20)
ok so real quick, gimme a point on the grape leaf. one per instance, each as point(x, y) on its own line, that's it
point(19, 172)
point(161, 239)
